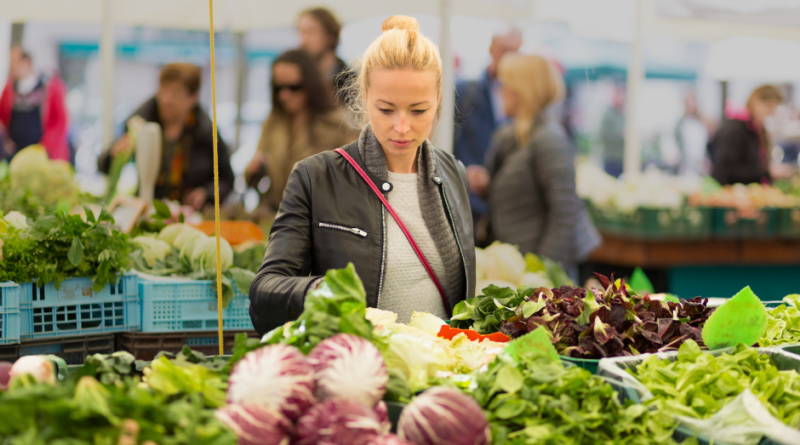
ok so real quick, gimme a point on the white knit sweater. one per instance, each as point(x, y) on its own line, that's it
point(407, 287)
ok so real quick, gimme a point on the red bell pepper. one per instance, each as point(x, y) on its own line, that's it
point(449, 333)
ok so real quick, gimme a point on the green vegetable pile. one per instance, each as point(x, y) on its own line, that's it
point(698, 384)
point(783, 323)
point(537, 400)
point(60, 246)
point(174, 405)
point(487, 313)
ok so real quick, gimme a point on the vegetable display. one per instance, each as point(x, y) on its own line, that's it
point(338, 422)
point(537, 400)
point(783, 323)
point(34, 184)
point(698, 384)
point(60, 246)
point(609, 323)
point(180, 250)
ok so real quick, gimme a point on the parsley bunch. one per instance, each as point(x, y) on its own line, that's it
point(61, 246)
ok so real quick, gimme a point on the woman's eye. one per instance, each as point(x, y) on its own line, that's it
point(385, 111)
point(418, 112)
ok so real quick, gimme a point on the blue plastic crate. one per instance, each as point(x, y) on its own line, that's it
point(9, 313)
point(180, 305)
point(75, 309)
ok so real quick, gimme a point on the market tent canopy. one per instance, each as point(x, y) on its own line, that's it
point(242, 15)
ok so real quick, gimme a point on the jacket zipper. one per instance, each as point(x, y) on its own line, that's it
point(383, 257)
point(353, 230)
point(458, 241)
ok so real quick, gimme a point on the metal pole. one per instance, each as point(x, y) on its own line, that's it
point(724, 90)
point(444, 131)
point(107, 68)
point(633, 150)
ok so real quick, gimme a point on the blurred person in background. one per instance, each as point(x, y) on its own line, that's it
point(33, 109)
point(479, 111)
point(529, 177)
point(612, 133)
point(692, 138)
point(742, 146)
point(187, 159)
point(303, 121)
point(319, 35)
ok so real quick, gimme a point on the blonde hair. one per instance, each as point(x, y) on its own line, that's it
point(537, 84)
point(400, 46)
point(765, 93)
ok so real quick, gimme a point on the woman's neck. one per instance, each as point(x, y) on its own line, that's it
point(173, 130)
point(402, 164)
point(326, 62)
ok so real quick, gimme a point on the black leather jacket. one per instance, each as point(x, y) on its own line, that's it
point(330, 217)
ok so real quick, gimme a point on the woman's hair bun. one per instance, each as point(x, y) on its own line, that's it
point(400, 22)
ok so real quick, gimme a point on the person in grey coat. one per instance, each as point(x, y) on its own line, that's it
point(529, 177)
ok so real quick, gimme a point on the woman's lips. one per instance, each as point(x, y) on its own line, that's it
point(400, 143)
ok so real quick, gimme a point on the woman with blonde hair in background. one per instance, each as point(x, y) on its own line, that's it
point(530, 175)
point(352, 205)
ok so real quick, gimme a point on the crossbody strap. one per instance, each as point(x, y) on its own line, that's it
point(402, 226)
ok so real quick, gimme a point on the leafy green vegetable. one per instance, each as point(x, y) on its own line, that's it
point(486, 313)
point(783, 323)
point(537, 400)
point(250, 258)
point(62, 246)
point(89, 413)
point(171, 377)
point(698, 384)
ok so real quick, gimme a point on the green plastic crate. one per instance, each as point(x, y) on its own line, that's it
point(589, 364)
point(680, 223)
point(788, 224)
point(730, 223)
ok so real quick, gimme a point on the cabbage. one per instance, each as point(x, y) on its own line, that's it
point(152, 249)
point(443, 416)
point(468, 355)
point(416, 357)
point(338, 422)
point(349, 367)
point(256, 424)
point(481, 285)
point(382, 411)
point(535, 280)
point(502, 261)
point(51, 181)
point(186, 234)
point(276, 376)
point(16, 220)
point(427, 322)
point(169, 233)
point(390, 439)
point(204, 254)
point(38, 367)
point(379, 317)
point(5, 377)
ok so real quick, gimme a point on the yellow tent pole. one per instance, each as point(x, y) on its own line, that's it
point(216, 177)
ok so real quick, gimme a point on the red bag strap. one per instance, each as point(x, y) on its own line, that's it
point(399, 223)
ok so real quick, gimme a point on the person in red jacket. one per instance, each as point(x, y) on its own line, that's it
point(33, 109)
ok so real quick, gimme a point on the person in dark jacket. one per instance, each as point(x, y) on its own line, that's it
point(530, 170)
point(741, 146)
point(187, 162)
point(330, 217)
point(479, 111)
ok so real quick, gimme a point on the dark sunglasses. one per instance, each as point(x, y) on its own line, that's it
point(293, 88)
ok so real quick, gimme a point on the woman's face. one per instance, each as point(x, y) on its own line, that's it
point(174, 102)
point(510, 101)
point(287, 84)
point(402, 106)
point(313, 37)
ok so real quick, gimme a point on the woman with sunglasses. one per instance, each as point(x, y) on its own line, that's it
point(303, 122)
point(390, 203)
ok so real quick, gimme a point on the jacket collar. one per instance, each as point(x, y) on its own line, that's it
point(372, 157)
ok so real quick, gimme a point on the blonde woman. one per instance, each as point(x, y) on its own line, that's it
point(530, 174)
point(351, 205)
